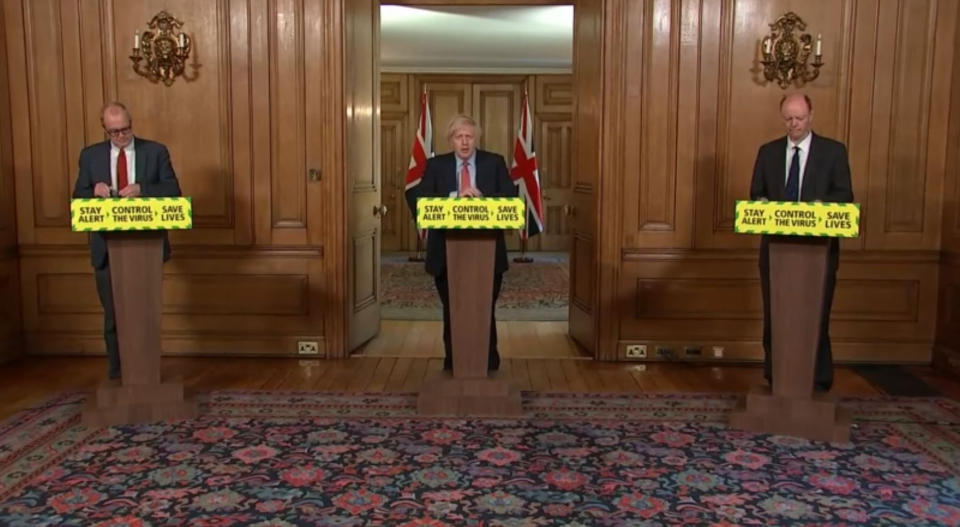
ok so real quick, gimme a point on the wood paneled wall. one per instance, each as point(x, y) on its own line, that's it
point(9, 262)
point(688, 110)
point(668, 113)
point(252, 277)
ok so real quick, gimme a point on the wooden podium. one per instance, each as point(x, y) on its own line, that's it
point(136, 273)
point(798, 271)
point(470, 391)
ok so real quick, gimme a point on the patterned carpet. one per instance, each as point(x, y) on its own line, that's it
point(280, 459)
point(530, 291)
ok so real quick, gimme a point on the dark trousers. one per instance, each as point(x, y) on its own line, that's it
point(105, 291)
point(443, 289)
point(823, 370)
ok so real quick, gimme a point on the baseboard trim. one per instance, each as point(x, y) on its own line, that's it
point(10, 349)
point(181, 346)
point(947, 360)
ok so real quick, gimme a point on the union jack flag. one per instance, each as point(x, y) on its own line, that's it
point(422, 149)
point(524, 173)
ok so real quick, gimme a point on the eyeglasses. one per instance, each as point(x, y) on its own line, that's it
point(116, 132)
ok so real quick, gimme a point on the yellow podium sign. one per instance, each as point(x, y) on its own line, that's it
point(835, 220)
point(471, 213)
point(130, 214)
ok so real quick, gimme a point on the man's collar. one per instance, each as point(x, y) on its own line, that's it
point(129, 148)
point(472, 159)
point(804, 143)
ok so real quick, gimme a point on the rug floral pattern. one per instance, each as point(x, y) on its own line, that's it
point(530, 291)
point(278, 459)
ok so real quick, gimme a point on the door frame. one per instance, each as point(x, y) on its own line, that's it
point(597, 325)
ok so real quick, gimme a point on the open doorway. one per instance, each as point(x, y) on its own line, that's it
point(482, 61)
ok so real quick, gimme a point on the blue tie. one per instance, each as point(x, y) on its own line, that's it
point(793, 180)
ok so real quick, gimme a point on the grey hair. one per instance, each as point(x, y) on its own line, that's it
point(460, 120)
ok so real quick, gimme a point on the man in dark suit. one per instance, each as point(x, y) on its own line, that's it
point(465, 172)
point(127, 167)
point(802, 166)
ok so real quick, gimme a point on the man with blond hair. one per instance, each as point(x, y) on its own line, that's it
point(802, 166)
point(123, 166)
point(464, 172)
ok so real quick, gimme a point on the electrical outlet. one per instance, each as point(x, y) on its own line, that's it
point(636, 351)
point(308, 347)
point(718, 352)
point(664, 352)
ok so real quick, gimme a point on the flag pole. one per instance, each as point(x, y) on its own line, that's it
point(523, 258)
point(419, 256)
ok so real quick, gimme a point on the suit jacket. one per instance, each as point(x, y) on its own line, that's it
point(153, 172)
point(826, 178)
point(440, 179)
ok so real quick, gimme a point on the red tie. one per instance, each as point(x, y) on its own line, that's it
point(465, 176)
point(122, 170)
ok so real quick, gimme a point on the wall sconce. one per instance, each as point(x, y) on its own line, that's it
point(785, 54)
point(163, 52)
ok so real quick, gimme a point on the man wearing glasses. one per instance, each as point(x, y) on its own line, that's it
point(125, 167)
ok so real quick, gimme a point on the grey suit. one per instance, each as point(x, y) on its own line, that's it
point(155, 175)
point(826, 178)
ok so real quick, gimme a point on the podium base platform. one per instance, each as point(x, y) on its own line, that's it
point(817, 418)
point(492, 396)
point(116, 404)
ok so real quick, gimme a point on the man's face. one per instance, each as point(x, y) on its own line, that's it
point(797, 118)
point(463, 140)
point(117, 125)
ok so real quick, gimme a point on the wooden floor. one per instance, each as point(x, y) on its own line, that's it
point(516, 340)
point(29, 381)
point(536, 356)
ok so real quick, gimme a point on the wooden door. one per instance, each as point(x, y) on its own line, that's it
point(396, 138)
point(446, 99)
point(584, 224)
point(496, 107)
point(552, 105)
point(554, 161)
point(362, 142)
point(393, 161)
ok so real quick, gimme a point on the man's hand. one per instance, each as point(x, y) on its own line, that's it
point(130, 191)
point(101, 190)
point(470, 192)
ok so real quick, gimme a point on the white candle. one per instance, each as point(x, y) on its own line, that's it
point(767, 45)
point(183, 41)
point(136, 40)
point(819, 43)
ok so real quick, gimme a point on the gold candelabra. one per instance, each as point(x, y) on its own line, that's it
point(785, 54)
point(164, 53)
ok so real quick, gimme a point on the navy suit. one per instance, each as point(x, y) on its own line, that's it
point(440, 180)
point(155, 175)
point(826, 177)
